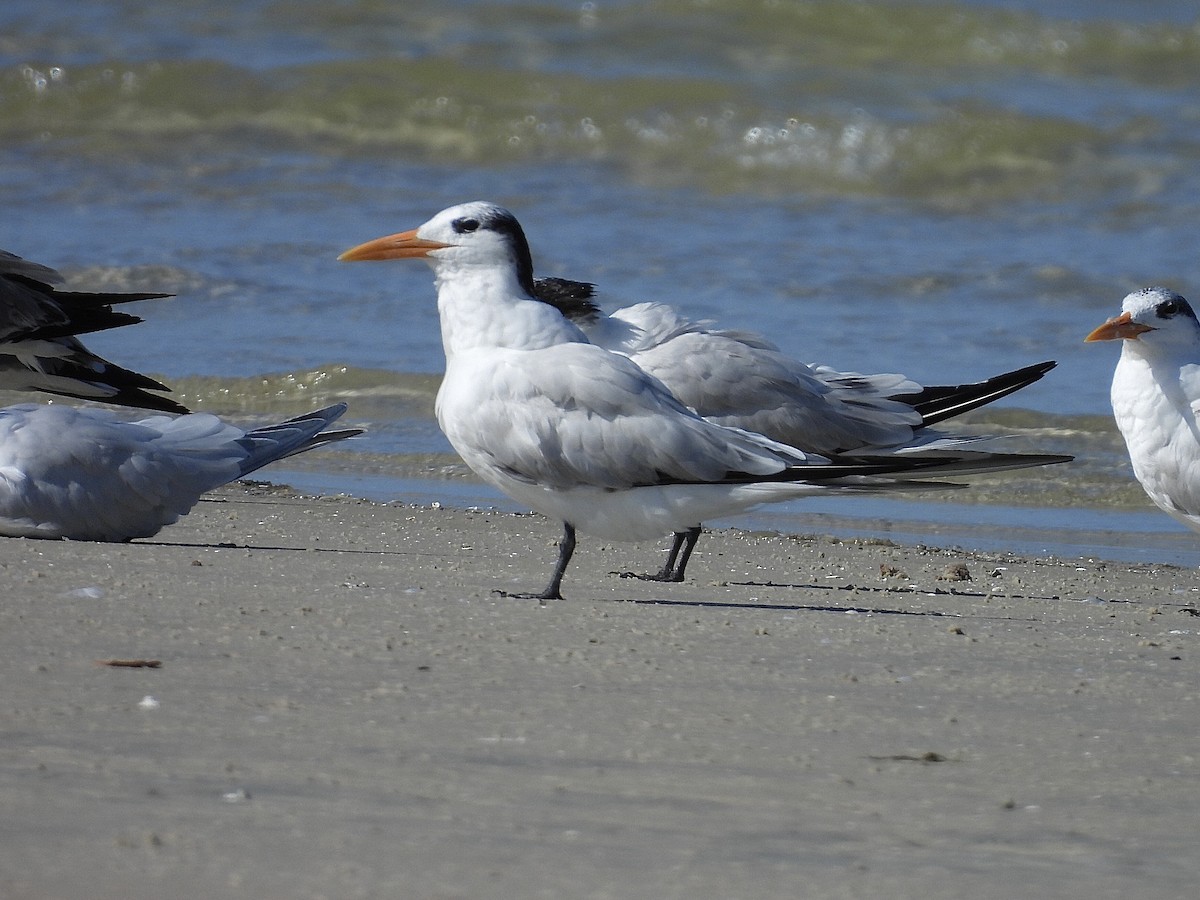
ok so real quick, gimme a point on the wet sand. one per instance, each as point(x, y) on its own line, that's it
point(344, 709)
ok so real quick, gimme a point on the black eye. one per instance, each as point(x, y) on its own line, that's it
point(464, 226)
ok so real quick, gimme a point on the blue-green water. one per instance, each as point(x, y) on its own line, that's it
point(942, 189)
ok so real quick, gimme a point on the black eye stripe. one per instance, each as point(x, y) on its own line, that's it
point(1173, 306)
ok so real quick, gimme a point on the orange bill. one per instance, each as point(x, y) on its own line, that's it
point(405, 245)
point(1121, 328)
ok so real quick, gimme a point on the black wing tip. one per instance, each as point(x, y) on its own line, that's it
point(86, 312)
point(139, 399)
point(1031, 373)
point(132, 398)
point(83, 322)
point(902, 467)
point(105, 298)
point(940, 402)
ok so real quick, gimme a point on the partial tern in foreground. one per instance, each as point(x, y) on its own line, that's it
point(741, 379)
point(85, 475)
point(582, 434)
point(39, 347)
point(1156, 396)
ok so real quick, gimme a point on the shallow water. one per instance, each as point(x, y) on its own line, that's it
point(945, 190)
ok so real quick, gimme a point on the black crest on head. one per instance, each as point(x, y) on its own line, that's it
point(505, 223)
point(1172, 305)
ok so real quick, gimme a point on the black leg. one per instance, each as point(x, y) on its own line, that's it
point(566, 549)
point(689, 539)
point(684, 541)
point(667, 572)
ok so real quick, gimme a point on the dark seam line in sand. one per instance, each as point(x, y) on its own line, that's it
point(813, 607)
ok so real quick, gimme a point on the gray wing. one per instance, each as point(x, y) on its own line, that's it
point(579, 415)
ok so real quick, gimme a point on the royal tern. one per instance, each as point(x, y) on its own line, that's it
point(583, 435)
point(85, 475)
point(39, 347)
point(1156, 396)
point(741, 379)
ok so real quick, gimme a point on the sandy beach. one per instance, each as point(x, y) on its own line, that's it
point(343, 708)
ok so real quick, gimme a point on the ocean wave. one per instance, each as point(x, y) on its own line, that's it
point(834, 99)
